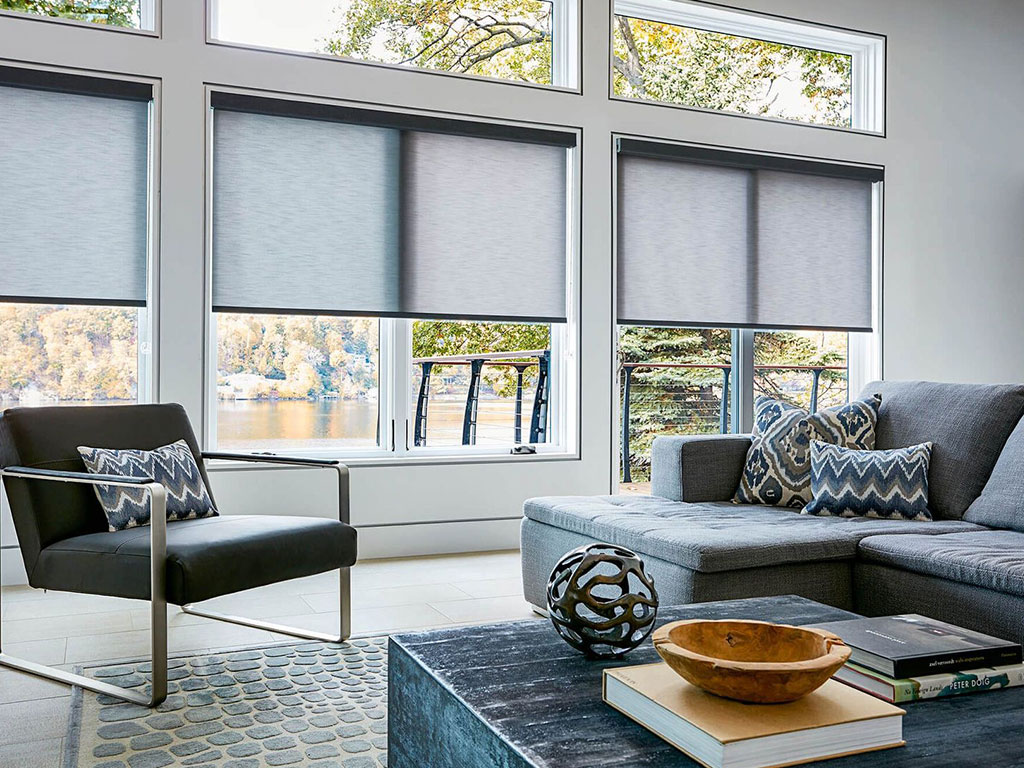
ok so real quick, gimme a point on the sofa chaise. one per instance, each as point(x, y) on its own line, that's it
point(965, 566)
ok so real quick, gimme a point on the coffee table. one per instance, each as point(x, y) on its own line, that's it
point(513, 695)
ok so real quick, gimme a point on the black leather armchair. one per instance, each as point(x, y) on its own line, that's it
point(66, 545)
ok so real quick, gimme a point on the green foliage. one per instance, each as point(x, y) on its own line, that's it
point(114, 13)
point(711, 70)
point(510, 39)
point(434, 338)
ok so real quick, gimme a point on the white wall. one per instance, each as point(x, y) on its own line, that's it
point(953, 245)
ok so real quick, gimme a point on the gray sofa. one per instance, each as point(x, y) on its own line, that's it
point(966, 566)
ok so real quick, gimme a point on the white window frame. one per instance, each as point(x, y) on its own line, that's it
point(149, 12)
point(565, 52)
point(866, 50)
point(396, 395)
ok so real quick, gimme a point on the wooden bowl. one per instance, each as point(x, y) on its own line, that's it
point(752, 661)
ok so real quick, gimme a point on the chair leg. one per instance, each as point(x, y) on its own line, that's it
point(345, 628)
point(158, 647)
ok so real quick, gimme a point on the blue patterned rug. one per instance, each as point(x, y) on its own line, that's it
point(311, 704)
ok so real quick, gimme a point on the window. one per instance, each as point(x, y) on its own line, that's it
point(123, 14)
point(520, 40)
point(718, 59)
point(754, 242)
point(295, 382)
point(74, 239)
point(375, 286)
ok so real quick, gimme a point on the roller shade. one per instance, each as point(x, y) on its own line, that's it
point(335, 210)
point(721, 239)
point(73, 195)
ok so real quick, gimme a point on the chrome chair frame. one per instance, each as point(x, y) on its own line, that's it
point(158, 592)
point(158, 575)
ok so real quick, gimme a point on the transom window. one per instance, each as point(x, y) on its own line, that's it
point(706, 57)
point(121, 14)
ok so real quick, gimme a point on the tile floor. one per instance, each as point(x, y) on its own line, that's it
point(388, 596)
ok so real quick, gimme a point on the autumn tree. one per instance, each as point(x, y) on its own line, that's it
point(115, 13)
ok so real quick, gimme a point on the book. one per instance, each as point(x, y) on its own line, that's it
point(931, 686)
point(832, 721)
point(912, 646)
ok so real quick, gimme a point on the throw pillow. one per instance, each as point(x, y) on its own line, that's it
point(850, 483)
point(173, 466)
point(778, 466)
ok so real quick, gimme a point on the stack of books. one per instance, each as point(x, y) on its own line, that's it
point(832, 721)
point(911, 657)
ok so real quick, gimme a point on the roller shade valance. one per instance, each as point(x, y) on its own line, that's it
point(783, 244)
point(316, 215)
point(74, 189)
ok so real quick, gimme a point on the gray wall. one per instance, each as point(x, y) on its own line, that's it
point(954, 223)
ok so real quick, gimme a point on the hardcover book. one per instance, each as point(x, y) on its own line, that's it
point(912, 646)
point(931, 686)
point(832, 721)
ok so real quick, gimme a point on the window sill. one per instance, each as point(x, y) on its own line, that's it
point(408, 461)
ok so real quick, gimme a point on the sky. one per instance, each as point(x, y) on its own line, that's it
point(261, 22)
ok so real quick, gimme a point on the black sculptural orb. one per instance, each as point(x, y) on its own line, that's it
point(601, 600)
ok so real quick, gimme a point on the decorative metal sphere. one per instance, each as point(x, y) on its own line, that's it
point(601, 600)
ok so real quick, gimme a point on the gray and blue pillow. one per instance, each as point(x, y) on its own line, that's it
point(890, 484)
point(778, 466)
point(173, 466)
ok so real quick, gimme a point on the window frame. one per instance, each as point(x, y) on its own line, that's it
point(867, 50)
point(395, 392)
point(153, 9)
point(566, 51)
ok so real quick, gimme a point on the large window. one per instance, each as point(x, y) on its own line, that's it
point(708, 57)
point(74, 239)
point(520, 40)
point(387, 283)
point(123, 14)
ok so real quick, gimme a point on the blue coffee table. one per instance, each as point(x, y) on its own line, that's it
point(514, 695)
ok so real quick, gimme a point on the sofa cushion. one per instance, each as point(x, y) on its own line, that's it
point(967, 424)
point(717, 536)
point(989, 559)
point(778, 466)
point(1001, 503)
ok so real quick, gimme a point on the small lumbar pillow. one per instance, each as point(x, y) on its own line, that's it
point(173, 466)
point(778, 466)
point(892, 484)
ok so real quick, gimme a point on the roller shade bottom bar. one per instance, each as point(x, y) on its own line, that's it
point(221, 309)
point(66, 301)
point(743, 326)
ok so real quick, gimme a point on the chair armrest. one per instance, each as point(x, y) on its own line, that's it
point(34, 473)
point(270, 458)
point(698, 467)
point(296, 461)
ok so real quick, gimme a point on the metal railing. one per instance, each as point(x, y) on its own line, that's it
point(723, 415)
point(521, 361)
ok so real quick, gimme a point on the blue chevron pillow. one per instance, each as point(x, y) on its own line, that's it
point(849, 483)
point(173, 466)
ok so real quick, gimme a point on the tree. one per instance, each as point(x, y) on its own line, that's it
point(115, 13)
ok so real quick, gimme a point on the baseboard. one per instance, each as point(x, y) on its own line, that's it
point(438, 538)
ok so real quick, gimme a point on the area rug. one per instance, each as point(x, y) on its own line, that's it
point(311, 704)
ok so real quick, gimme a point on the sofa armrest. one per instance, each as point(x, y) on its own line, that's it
point(698, 467)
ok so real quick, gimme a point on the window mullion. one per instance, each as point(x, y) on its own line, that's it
point(398, 382)
point(743, 380)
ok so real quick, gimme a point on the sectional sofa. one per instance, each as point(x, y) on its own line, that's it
point(966, 566)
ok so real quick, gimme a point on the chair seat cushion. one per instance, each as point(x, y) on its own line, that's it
point(989, 559)
point(718, 536)
point(205, 558)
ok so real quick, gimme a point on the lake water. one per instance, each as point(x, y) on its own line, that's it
point(294, 424)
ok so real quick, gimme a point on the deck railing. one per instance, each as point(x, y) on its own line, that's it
point(723, 415)
point(522, 361)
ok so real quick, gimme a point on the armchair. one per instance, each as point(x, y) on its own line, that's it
point(66, 545)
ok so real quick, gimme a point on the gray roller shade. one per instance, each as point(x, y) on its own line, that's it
point(73, 197)
point(305, 215)
point(315, 213)
point(484, 228)
point(715, 241)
